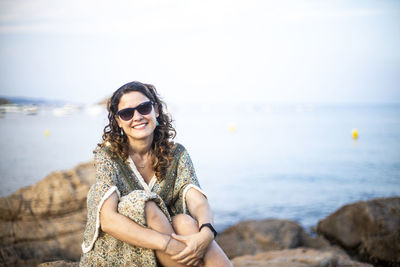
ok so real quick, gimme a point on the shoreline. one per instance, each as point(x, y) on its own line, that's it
point(51, 215)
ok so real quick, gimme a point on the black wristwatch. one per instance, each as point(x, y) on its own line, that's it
point(209, 226)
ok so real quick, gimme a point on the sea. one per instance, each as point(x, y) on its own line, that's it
point(254, 160)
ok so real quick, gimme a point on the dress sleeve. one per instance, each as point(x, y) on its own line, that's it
point(185, 179)
point(104, 186)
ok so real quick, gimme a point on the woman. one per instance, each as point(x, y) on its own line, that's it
point(145, 189)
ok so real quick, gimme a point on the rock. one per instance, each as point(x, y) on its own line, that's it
point(4, 101)
point(251, 237)
point(369, 230)
point(45, 221)
point(59, 264)
point(299, 257)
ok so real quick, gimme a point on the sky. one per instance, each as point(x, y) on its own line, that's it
point(264, 51)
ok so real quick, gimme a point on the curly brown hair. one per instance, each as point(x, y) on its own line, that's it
point(162, 145)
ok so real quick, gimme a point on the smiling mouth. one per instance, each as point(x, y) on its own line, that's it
point(140, 126)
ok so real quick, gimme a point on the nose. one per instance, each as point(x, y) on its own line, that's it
point(137, 116)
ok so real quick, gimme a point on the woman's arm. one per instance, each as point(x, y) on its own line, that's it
point(196, 244)
point(200, 210)
point(126, 230)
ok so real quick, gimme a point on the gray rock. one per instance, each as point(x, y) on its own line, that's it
point(369, 230)
point(45, 222)
point(299, 257)
point(251, 237)
point(59, 264)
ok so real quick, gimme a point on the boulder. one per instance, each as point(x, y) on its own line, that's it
point(369, 230)
point(299, 257)
point(255, 236)
point(59, 264)
point(45, 221)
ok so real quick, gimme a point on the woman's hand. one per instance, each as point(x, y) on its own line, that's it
point(196, 247)
point(174, 247)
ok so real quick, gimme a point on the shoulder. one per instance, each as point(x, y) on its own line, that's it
point(179, 147)
point(182, 155)
point(102, 154)
point(179, 150)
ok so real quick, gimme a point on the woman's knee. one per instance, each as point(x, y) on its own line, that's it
point(184, 224)
point(152, 211)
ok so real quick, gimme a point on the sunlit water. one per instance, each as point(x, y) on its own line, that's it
point(254, 161)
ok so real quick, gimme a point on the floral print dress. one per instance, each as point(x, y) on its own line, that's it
point(114, 175)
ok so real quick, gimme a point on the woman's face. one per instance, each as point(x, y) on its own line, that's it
point(139, 127)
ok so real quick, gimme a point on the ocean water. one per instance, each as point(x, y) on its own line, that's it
point(254, 161)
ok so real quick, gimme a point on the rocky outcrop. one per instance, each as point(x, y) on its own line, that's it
point(300, 257)
point(4, 101)
point(251, 237)
point(45, 221)
point(369, 230)
point(59, 264)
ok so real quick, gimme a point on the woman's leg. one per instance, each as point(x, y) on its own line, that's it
point(157, 221)
point(215, 257)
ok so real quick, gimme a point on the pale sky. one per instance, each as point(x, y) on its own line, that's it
point(263, 51)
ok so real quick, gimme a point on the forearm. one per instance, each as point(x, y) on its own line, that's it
point(202, 213)
point(126, 230)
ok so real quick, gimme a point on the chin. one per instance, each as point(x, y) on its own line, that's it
point(141, 136)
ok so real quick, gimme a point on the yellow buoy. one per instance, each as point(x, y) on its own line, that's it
point(47, 132)
point(232, 127)
point(354, 134)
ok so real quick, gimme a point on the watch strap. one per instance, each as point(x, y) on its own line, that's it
point(208, 225)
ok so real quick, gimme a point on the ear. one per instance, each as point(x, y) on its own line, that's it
point(156, 110)
point(116, 117)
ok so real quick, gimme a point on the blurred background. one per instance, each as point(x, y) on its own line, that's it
point(289, 109)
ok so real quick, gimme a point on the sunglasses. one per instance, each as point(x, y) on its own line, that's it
point(127, 113)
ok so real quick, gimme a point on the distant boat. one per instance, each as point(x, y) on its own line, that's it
point(65, 110)
point(30, 110)
point(11, 108)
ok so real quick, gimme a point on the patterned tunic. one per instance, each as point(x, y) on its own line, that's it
point(114, 175)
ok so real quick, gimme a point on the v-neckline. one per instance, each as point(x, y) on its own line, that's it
point(148, 187)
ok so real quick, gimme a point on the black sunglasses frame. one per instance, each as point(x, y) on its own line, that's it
point(138, 108)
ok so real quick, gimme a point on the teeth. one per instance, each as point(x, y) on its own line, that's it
point(139, 126)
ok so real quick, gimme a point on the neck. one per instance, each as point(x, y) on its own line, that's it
point(140, 147)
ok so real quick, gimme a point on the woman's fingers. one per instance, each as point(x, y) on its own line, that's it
point(190, 255)
point(188, 261)
point(193, 261)
point(185, 257)
point(198, 263)
point(185, 252)
point(181, 255)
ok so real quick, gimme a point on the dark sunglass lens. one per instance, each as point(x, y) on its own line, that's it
point(126, 114)
point(144, 108)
